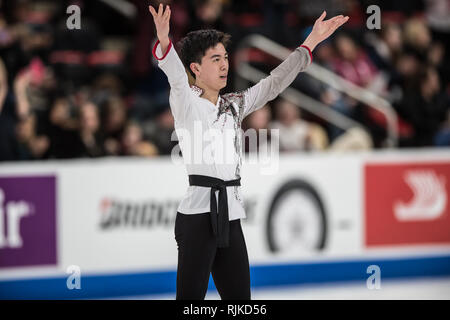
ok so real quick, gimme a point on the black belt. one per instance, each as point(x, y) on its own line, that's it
point(220, 225)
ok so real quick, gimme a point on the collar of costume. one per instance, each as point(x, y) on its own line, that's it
point(197, 90)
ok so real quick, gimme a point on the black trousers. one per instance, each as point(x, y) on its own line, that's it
point(198, 256)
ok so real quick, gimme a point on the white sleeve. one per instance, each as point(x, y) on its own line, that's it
point(174, 69)
point(279, 79)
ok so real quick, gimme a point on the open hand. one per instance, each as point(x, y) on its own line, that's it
point(323, 29)
point(161, 19)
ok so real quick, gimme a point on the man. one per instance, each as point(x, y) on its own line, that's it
point(207, 229)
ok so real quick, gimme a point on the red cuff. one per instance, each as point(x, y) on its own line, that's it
point(165, 54)
point(309, 51)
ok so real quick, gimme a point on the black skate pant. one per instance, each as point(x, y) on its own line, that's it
point(198, 256)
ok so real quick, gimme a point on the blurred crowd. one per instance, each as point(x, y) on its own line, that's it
point(96, 91)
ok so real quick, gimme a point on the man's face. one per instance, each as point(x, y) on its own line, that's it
point(213, 70)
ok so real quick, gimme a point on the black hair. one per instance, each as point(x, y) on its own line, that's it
point(195, 44)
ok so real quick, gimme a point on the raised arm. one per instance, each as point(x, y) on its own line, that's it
point(170, 63)
point(282, 76)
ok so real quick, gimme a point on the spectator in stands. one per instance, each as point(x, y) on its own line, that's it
point(295, 133)
point(257, 134)
point(30, 145)
point(436, 58)
point(385, 46)
point(63, 130)
point(417, 38)
point(426, 109)
point(352, 63)
point(91, 139)
point(405, 72)
point(133, 143)
point(114, 117)
point(437, 13)
point(161, 132)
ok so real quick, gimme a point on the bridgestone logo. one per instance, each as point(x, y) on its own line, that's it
point(117, 214)
point(121, 214)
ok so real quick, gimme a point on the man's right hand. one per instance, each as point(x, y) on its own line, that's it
point(161, 19)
